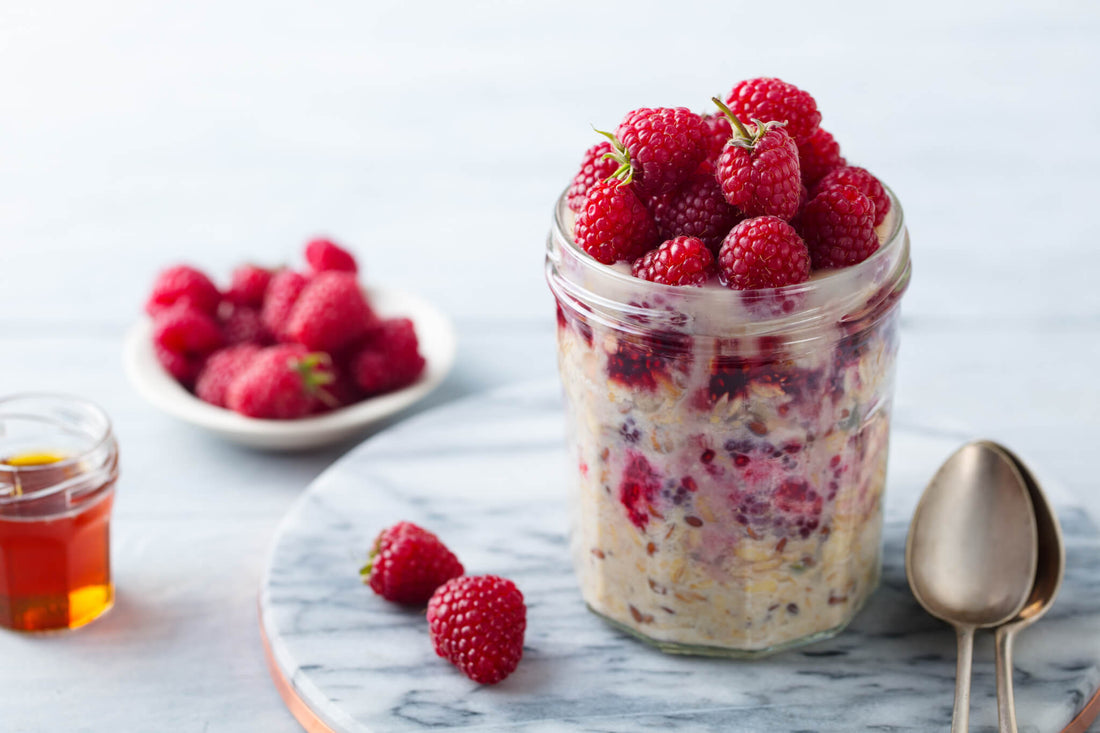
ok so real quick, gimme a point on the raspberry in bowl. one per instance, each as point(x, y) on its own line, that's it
point(728, 435)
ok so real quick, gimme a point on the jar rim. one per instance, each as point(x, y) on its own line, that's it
point(100, 438)
point(893, 241)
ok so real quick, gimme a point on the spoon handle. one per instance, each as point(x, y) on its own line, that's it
point(960, 718)
point(1006, 704)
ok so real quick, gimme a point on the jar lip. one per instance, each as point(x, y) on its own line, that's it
point(894, 240)
point(105, 433)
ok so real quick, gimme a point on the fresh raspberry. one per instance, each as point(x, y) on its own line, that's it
point(614, 224)
point(243, 325)
point(803, 199)
point(818, 155)
point(663, 146)
point(282, 293)
point(390, 359)
point(324, 255)
point(248, 285)
point(839, 227)
point(281, 382)
point(859, 178)
point(595, 167)
point(330, 313)
point(187, 331)
point(477, 623)
point(678, 261)
point(407, 563)
point(181, 283)
point(343, 390)
point(774, 100)
point(696, 208)
point(765, 252)
point(221, 369)
point(718, 133)
point(183, 369)
point(758, 170)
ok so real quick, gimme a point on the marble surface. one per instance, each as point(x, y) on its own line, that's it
point(134, 134)
point(488, 474)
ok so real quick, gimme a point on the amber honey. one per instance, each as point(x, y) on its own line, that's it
point(55, 568)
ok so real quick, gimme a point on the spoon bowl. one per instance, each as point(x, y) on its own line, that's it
point(971, 552)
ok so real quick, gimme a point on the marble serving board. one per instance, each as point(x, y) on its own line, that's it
point(488, 475)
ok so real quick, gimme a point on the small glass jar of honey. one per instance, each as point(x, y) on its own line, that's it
point(58, 468)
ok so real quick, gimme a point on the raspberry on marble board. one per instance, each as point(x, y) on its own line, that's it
point(407, 563)
point(478, 624)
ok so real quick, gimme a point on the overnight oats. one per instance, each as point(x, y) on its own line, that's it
point(727, 330)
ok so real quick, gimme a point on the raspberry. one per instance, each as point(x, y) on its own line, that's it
point(679, 261)
point(638, 489)
point(795, 496)
point(595, 167)
point(614, 224)
point(718, 131)
point(343, 390)
point(243, 325)
point(390, 359)
point(839, 227)
point(407, 563)
point(221, 369)
point(183, 369)
point(663, 146)
point(282, 293)
point(186, 331)
point(758, 170)
point(818, 155)
point(765, 252)
point(181, 283)
point(774, 100)
point(696, 209)
point(330, 313)
point(281, 382)
point(477, 623)
point(324, 255)
point(861, 179)
point(248, 285)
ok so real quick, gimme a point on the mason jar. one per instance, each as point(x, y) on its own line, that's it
point(727, 448)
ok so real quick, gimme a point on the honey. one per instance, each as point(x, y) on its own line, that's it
point(54, 543)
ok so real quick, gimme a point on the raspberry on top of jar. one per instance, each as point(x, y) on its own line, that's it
point(754, 195)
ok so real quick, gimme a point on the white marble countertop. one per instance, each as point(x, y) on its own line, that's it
point(433, 140)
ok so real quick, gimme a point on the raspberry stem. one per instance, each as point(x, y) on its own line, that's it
point(371, 557)
point(732, 118)
point(314, 380)
point(748, 140)
point(625, 171)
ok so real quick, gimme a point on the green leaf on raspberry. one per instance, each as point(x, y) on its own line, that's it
point(743, 138)
point(314, 370)
point(625, 172)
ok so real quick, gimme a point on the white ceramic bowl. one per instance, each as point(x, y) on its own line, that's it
point(437, 344)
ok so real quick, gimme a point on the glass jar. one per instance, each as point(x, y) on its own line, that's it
point(728, 448)
point(58, 468)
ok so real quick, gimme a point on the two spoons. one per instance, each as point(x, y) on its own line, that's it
point(984, 550)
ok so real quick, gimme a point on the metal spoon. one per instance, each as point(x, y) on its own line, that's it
point(1049, 570)
point(972, 550)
